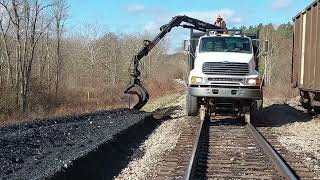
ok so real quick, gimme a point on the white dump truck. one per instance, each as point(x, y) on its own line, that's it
point(224, 76)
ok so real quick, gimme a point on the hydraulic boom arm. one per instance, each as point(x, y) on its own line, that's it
point(136, 95)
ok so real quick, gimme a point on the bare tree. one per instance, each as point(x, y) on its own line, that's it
point(5, 26)
point(92, 34)
point(24, 16)
point(60, 15)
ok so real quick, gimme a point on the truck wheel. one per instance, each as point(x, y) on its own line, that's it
point(260, 103)
point(255, 107)
point(192, 105)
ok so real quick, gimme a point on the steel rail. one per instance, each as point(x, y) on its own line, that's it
point(194, 155)
point(281, 166)
point(283, 169)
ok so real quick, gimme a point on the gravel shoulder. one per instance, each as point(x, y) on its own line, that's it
point(39, 149)
point(296, 130)
point(171, 111)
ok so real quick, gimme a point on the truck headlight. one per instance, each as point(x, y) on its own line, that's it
point(255, 81)
point(195, 79)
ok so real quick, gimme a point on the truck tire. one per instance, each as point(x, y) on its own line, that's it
point(260, 103)
point(254, 110)
point(192, 105)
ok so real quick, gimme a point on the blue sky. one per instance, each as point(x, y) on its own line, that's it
point(128, 16)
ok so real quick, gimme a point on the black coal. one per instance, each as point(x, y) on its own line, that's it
point(45, 148)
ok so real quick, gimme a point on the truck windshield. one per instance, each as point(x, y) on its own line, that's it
point(225, 44)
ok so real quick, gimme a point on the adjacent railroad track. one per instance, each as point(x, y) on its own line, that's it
point(229, 148)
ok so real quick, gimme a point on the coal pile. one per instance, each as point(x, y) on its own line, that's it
point(43, 148)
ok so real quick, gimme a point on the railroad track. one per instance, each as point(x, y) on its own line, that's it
point(230, 148)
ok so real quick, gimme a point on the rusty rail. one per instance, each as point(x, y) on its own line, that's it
point(280, 167)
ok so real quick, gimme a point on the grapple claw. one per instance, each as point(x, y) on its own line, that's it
point(136, 96)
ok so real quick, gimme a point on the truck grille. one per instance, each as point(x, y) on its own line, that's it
point(221, 68)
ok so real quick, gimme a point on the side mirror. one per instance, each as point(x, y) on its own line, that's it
point(266, 47)
point(186, 45)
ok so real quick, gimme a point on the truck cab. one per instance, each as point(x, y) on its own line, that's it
point(223, 75)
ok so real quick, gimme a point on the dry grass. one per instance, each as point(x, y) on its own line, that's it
point(78, 102)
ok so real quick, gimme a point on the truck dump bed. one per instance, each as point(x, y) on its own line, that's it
point(306, 48)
